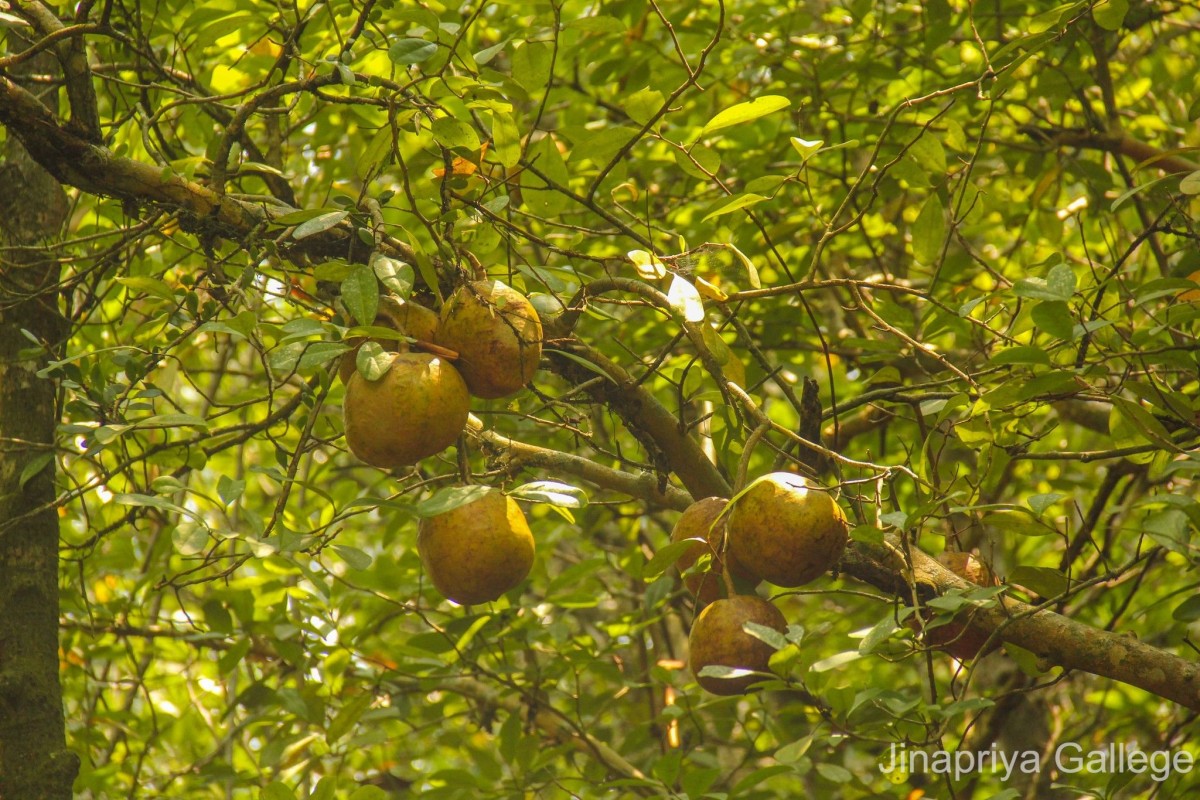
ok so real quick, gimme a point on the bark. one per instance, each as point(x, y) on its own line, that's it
point(34, 761)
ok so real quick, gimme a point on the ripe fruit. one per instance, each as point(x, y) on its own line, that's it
point(478, 551)
point(497, 335)
point(718, 638)
point(415, 410)
point(408, 318)
point(786, 531)
point(696, 522)
point(959, 637)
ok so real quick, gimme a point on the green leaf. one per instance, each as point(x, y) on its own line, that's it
point(1188, 610)
point(751, 271)
point(554, 493)
point(805, 148)
point(642, 105)
point(149, 501)
point(171, 421)
point(835, 773)
point(230, 489)
point(881, 632)
point(151, 286)
point(407, 52)
point(746, 112)
point(360, 293)
point(34, 467)
point(665, 557)
point(190, 539)
point(368, 793)
point(765, 634)
point(1024, 354)
point(1040, 502)
point(730, 204)
point(835, 661)
point(372, 361)
point(1109, 14)
point(450, 498)
point(758, 776)
point(355, 558)
point(929, 231)
point(397, 276)
point(1190, 183)
point(1055, 319)
point(277, 791)
point(488, 53)
point(1059, 284)
point(506, 139)
point(319, 224)
point(531, 65)
point(297, 217)
point(454, 133)
point(929, 154)
point(1043, 580)
point(348, 716)
point(583, 362)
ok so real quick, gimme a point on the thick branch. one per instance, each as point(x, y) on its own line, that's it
point(1058, 640)
point(74, 161)
point(72, 54)
point(1119, 144)
point(646, 418)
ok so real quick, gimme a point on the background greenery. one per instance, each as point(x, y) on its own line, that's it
point(973, 225)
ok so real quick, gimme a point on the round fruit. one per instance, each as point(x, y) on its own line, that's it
point(411, 319)
point(478, 551)
point(696, 522)
point(786, 531)
point(959, 637)
point(497, 335)
point(719, 639)
point(415, 410)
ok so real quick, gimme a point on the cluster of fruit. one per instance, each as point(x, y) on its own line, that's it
point(419, 407)
point(782, 529)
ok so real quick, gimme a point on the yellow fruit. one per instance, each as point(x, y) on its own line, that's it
point(718, 639)
point(478, 551)
point(696, 522)
point(417, 409)
point(497, 335)
point(410, 319)
point(786, 531)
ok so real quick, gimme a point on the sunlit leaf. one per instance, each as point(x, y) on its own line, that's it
point(647, 264)
point(746, 112)
point(685, 299)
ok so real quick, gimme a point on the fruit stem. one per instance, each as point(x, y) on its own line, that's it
point(464, 463)
point(730, 591)
point(739, 481)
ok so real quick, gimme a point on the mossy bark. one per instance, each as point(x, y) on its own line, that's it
point(34, 761)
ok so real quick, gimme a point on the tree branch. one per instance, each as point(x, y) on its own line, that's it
point(519, 454)
point(1056, 639)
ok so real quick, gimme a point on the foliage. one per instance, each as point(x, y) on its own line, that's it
point(973, 225)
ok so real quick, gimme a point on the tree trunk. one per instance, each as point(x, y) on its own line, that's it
point(34, 761)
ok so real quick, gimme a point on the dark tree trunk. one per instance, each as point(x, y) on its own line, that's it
point(34, 761)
